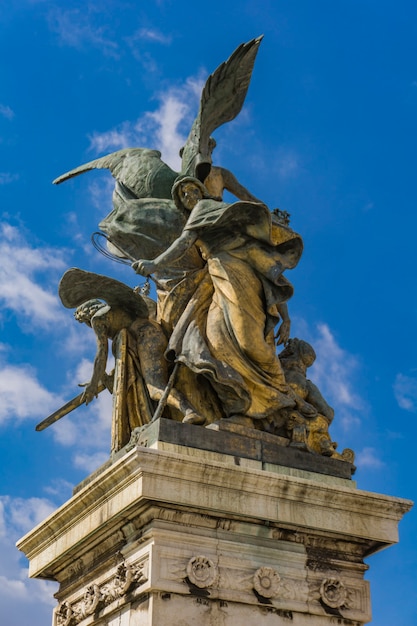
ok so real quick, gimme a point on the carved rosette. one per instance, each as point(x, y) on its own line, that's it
point(266, 582)
point(201, 571)
point(333, 593)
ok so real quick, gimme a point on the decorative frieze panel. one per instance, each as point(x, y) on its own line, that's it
point(98, 596)
point(234, 579)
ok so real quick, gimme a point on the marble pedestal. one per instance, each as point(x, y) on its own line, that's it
point(169, 533)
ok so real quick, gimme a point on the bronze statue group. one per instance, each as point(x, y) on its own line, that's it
point(205, 349)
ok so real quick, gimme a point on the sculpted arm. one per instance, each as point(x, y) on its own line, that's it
point(231, 183)
point(283, 333)
point(315, 398)
point(174, 252)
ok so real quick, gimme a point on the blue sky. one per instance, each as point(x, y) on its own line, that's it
point(327, 132)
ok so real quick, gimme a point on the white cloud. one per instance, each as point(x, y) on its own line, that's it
point(60, 488)
point(19, 289)
point(23, 514)
point(101, 194)
point(287, 163)
point(90, 462)
point(76, 29)
point(7, 178)
point(117, 138)
point(368, 458)
point(405, 391)
point(140, 49)
point(6, 112)
point(22, 396)
point(35, 597)
point(164, 129)
point(152, 34)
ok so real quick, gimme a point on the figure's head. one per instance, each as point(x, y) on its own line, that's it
point(85, 311)
point(298, 350)
point(307, 354)
point(187, 191)
point(189, 194)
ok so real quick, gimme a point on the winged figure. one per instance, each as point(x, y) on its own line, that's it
point(118, 313)
point(143, 173)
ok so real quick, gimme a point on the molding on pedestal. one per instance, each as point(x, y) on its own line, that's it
point(178, 527)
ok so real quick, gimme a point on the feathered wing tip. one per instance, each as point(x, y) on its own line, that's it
point(225, 90)
point(111, 162)
point(78, 286)
point(221, 100)
point(140, 170)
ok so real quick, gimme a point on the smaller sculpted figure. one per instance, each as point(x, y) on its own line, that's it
point(141, 372)
point(220, 178)
point(226, 332)
point(313, 433)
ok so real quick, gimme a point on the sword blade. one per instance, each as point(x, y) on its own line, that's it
point(72, 404)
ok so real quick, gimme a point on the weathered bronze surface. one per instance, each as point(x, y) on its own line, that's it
point(205, 353)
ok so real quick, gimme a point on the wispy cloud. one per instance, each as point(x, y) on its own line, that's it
point(166, 128)
point(114, 139)
point(287, 163)
point(405, 391)
point(101, 194)
point(21, 265)
point(17, 516)
point(6, 111)
point(90, 462)
point(151, 34)
point(79, 28)
point(23, 514)
point(368, 458)
point(8, 177)
point(22, 395)
point(59, 488)
point(138, 44)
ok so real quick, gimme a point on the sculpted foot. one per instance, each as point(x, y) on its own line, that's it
point(191, 417)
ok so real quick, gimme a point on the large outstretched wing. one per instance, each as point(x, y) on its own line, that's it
point(77, 286)
point(139, 169)
point(221, 100)
point(143, 172)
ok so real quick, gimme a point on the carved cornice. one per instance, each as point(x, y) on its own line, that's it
point(197, 485)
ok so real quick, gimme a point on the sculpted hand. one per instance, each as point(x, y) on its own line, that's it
point(108, 381)
point(144, 267)
point(283, 333)
point(90, 392)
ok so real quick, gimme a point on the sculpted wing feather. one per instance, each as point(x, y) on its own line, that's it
point(225, 90)
point(112, 162)
point(77, 286)
point(221, 100)
point(141, 170)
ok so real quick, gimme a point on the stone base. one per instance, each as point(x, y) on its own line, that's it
point(169, 534)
